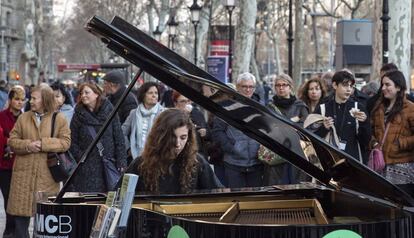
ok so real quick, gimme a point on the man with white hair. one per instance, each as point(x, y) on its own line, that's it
point(241, 166)
point(246, 84)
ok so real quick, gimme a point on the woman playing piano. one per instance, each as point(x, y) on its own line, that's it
point(170, 162)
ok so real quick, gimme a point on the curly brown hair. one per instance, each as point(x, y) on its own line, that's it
point(159, 151)
point(303, 91)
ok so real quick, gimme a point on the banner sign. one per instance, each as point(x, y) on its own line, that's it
point(217, 66)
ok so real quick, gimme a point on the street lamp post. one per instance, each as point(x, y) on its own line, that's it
point(385, 18)
point(230, 4)
point(195, 10)
point(157, 34)
point(172, 30)
point(290, 40)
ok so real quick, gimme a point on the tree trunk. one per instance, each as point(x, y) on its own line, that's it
point(254, 69)
point(377, 42)
point(316, 43)
point(203, 32)
point(244, 40)
point(276, 55)
point(399, 36)
point(298, 43)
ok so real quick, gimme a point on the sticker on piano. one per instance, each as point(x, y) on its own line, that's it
point(342, 234)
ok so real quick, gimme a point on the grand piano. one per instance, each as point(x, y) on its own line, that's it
point(345, 194)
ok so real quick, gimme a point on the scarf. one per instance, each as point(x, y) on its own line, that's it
point(143, 117)
point(284, 102)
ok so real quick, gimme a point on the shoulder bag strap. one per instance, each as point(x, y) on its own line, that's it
point(53, 123)
point(99, 145)
point(385, 135)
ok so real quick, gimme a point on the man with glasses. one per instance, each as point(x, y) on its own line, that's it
point(241, 166)
point(348, 116)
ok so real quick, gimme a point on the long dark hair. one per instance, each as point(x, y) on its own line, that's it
point(399, 80)
point(159, 151)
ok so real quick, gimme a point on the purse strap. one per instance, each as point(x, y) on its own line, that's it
point(385, 135)
point(99, 145)
point(53, 123)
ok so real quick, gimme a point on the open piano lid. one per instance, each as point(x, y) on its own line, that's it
point(339, 170)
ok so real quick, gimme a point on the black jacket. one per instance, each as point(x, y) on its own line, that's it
point(89, 176)
point(345, 126)
point(203, 179)
point(127, 105)
point(199, 121)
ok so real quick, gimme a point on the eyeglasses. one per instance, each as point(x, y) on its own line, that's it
point(283, 85)
point(248, 87)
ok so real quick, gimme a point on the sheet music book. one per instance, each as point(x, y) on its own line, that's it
point(111, 198)
point(102, 222)
point(114, 223)
point(129, 182)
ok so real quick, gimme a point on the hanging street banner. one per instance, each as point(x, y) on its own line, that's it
point(217, 66)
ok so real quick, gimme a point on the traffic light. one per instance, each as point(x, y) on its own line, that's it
point(17, 76)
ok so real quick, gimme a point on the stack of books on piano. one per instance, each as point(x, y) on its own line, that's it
point(112, 216)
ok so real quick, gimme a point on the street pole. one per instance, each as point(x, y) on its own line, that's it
point(230, 10)
point(195, 10)
point(195, 42)
point(385, 18)
point(290, 41)
point(331, 38)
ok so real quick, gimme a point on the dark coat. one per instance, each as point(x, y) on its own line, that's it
point(89, 176)
point(199, 121)
point(127, 105)
point(203, 179)
point(346, 128)
point(297, 109)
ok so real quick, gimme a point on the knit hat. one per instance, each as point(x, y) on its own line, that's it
point(115, 76)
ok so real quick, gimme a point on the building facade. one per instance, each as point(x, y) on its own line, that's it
point(23, 26)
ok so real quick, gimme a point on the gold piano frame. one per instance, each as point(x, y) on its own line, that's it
point(265, 212)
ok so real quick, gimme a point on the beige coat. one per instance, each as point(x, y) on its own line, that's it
point(30, 171)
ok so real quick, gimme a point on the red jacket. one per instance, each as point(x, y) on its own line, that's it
point(7, 121)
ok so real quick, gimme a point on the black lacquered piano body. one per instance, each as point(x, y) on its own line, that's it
point(304, 210)
point(350, 196)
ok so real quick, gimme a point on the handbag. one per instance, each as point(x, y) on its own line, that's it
point(111, 172)
point(376, 157)
point(269, 157)
point(61, 164)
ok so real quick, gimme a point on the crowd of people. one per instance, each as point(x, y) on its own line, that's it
point(177, 148)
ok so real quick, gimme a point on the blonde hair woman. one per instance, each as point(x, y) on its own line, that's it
point(31, 140)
